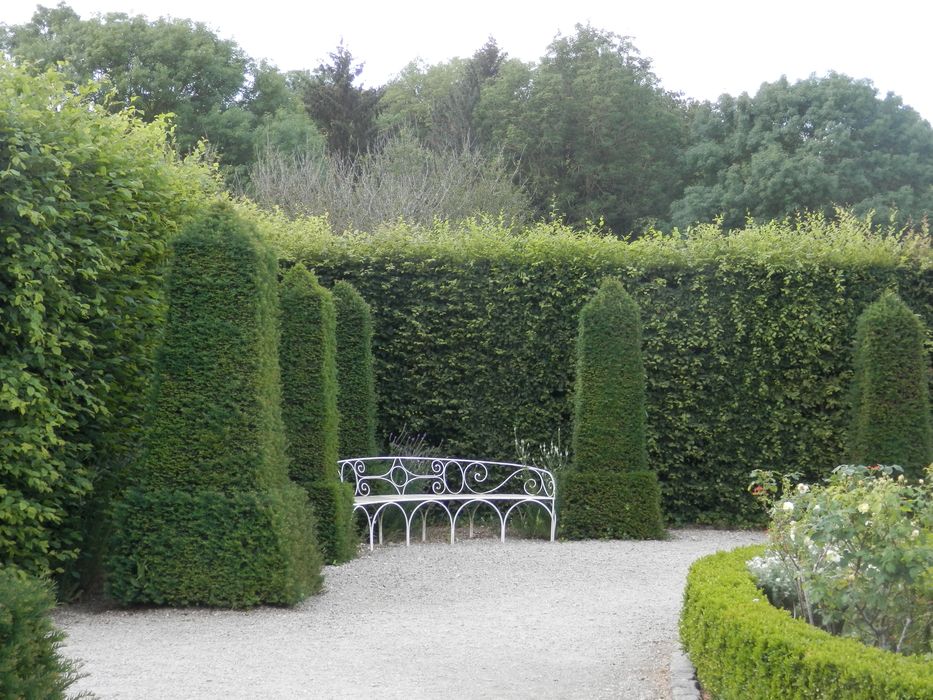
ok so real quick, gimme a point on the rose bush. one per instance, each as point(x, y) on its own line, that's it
point(853, 555)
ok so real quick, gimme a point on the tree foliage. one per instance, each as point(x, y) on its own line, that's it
point(809, 146)
point(596, 135)
point(345, 112)
point(890, 392)
point(213, 89)
point(88, 201)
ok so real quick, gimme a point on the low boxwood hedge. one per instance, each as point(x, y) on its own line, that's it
point(743, 647)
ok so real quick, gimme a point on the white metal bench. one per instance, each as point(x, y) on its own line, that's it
point(413, 485)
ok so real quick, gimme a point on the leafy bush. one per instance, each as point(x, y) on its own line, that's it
point(890, 395)
point(307, 355)
point(211, 517)
point(744, 648)
point(88, 200)
point(609, 505)
point(854, 555)
point(746, 337)
point(30, 664)
point(609, 393)
point(356, 390)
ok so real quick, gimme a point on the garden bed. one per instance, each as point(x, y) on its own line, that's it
point(744, 647)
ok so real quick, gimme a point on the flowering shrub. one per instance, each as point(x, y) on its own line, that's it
point(853, 555)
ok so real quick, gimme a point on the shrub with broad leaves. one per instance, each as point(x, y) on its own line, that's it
point(853, 555)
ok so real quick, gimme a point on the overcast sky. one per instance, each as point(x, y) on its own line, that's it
point(701, 49)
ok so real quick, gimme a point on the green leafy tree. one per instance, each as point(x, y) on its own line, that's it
point(88, 201)
point(596, 135)
point(890, 392)
point(213, 89)
point(812, 145)
point(345, 112)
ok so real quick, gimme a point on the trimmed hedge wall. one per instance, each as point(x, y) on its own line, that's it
point(356, 391)
point(30, 665)
point(890, 396)
point(211, 517)
point(744, 648)
point(607, 505)
point(747, 337)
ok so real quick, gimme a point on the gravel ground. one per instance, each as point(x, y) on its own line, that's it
point(480, 619)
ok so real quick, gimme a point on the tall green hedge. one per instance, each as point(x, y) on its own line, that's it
point(30, 663)
point(746, 649)
point(746, 337)
point(890, 394)
point(307, 356)
point(609, 390)
point(88, 200)
point(211, 517)
point(356, 394)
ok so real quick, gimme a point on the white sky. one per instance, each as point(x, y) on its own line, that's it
point(702, 49)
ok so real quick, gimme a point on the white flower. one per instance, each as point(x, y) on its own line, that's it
point(915, 534)
point(802, 488)
point(816, 508)
point(832, 556)
point(787, 507)
point(863, 508)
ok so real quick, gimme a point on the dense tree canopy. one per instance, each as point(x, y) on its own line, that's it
point(345, 112)
point(215, 91)
point(812, 145)
point(596, 134)
point(587, 132)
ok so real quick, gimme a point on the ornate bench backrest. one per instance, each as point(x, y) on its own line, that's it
point(441, 476)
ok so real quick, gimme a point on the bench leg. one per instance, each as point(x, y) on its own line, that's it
point(380, 528)
point(424, 525)
point(472, 513)
point(553, 524)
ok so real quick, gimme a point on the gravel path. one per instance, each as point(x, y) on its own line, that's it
point(480, 619)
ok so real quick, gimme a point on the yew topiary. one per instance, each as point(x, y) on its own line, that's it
point(307, 356)
point(890, 389)
point(356, 395)
point(211, 517)
point(610, 493)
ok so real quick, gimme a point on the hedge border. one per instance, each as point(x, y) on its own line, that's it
point(743, 647)
point(613, 505)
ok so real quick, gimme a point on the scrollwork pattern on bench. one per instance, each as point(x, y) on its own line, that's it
point(414, 484)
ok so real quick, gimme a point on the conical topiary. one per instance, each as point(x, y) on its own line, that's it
point(211, 517)
point(890, 391)
point(356, 392)
point(309, 405)
point(610, 492)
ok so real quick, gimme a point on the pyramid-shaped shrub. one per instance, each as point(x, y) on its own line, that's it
point(356, 385)
point(211, 517)
point(610, 492)
point(890, 390)
point(308, 358)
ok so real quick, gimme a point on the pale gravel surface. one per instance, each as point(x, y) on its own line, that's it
point(480, 619)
